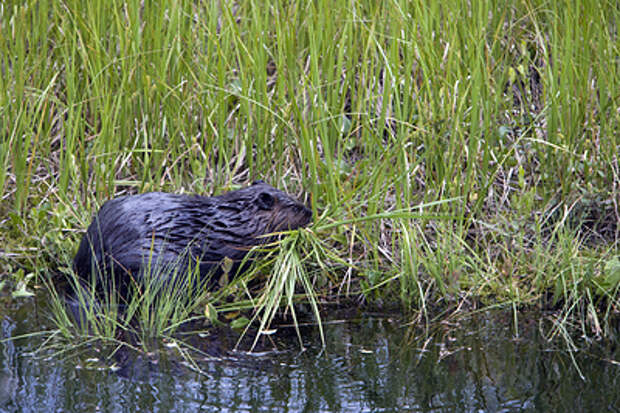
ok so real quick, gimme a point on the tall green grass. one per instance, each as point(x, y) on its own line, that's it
point(509, 110)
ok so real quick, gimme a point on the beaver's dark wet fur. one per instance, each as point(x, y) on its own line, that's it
point(168, 233)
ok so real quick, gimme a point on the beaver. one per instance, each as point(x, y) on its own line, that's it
point(170, 234)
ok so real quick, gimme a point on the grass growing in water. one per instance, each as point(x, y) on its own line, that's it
point(154, 307)
point(370, 107)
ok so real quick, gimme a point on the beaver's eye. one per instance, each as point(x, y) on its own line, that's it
point(264, 200)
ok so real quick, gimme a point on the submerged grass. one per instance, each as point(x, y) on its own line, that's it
point(376, 112)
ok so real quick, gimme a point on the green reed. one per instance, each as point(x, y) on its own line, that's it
point(508, 110)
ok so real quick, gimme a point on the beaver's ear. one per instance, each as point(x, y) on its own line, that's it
point(264, 200)
point(260, 181)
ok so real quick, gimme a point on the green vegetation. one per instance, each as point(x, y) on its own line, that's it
point(457, 154)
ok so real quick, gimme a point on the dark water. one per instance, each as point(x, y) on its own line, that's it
point(371, 363)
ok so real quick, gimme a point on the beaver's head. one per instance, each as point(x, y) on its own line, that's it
point(262, 209)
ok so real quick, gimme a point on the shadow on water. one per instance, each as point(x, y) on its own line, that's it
point(370, 364)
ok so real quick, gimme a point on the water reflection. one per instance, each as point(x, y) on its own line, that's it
point(370, 364)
